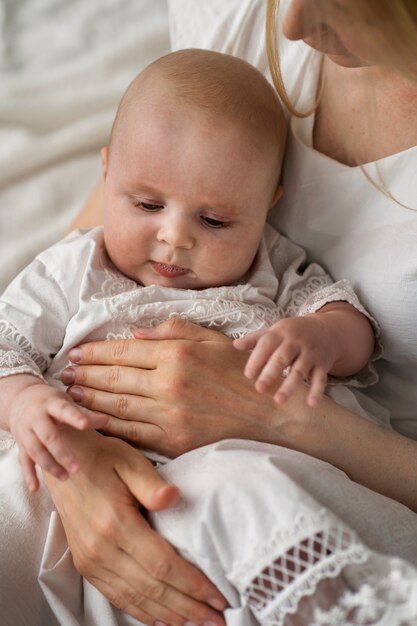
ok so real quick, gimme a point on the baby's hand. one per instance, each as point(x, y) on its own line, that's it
point(303, 344)
point(36, 416)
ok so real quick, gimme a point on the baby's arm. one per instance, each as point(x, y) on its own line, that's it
point(34, 412)
point(338, 339)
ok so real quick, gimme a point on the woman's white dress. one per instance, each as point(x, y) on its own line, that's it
point(288, 538)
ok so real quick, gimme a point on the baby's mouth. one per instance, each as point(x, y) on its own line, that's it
point(170, 271)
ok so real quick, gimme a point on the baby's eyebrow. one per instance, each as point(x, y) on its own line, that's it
point(226, 210)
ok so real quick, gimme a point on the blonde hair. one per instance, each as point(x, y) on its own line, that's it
point(401, 15)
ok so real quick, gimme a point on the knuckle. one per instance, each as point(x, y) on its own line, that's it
point(299, 372)
point(175, 388)
point(180, 443)
point(112, 377)
point(155, 590)
point(34, 448)
point(174, 324)
point(182, 351)
point(57, 404)
point(51, 438)
point(120, 348)
point(160, 570)
point(122, 405)
point(92, 551)
point(107, 525)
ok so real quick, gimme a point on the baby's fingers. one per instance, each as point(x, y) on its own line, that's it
point(297, 374)
point(318, 381)
point(49, 449)
point(28, 470)
point(66, 412)
point(262, 356)
point(249, 341)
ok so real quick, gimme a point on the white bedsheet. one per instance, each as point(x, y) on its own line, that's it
point(64, 65)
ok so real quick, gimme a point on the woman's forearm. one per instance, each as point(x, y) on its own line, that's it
point(371, 455)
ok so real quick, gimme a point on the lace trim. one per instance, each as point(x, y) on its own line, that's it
point(297, 559)
point(6, 441)
point(313, 286)
point(220, 308)
point(319, 573)
point(13, 339)
point(384, 594)
point(311, 298)
point(13, 362)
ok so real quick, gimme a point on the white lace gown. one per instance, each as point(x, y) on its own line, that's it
point(289, 539)
point(72, 293)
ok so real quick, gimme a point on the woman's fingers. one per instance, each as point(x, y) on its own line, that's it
point(126, 352)
point(141, 434)
point(178, 328)
point(112, 544)
point(111, 378)
point(123, 405)
point(140, 352)
point(160, 559)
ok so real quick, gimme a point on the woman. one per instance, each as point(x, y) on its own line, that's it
point(365, 116)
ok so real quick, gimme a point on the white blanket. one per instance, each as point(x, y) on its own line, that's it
point(64, 65)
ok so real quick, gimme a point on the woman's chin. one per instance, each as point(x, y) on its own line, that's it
point(347, 60)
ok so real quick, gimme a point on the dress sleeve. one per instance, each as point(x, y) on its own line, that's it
point(33, 318)
point(305, 288)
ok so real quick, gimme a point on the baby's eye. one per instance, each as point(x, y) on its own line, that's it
point(213, 223)
point(148, 206)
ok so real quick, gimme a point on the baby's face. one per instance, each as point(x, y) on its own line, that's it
point(186, 198)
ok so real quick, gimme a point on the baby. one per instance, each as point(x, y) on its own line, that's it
point(190, 173)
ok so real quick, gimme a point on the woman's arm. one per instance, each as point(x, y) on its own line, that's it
point(111, 542)
point(188, 389)
point(91, 213)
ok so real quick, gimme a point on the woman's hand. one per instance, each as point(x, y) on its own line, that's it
point(112, 544)
point(172, 395)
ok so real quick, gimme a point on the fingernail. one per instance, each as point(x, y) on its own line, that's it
point(158, 622)
point(209, 623)
point(75, 355)
point(68, 376)
point(76, 393)
point(189, 624)
point(216, 603)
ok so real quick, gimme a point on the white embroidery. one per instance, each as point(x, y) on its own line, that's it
point(6, 441)
point(319, 573)
point(220, 308)
point(16, 350)
point(17, 356)
point(302, 295)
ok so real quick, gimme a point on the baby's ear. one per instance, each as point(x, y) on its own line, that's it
point(104, 160)
point(276, 196)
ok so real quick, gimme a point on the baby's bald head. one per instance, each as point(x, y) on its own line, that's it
point(214, 83)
